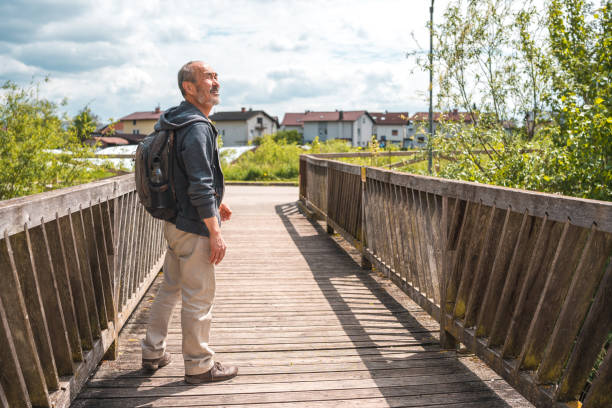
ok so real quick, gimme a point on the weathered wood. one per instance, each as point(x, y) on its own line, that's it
point(60, 266)
point(11, 377)
point(50, 297)
point(94, 262)
point(576, 304)
point(11, 296)
point(593, 335)
point(599, 395)
point(26, 270)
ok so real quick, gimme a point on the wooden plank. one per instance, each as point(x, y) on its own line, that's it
point(60, 266)
point(92, 243)
point(593, 335)
point(86, 277)
point(103, 229)
point(528, 235)
point(599, 395)
point(501, 263)
point(553, 294)
point(11, 377)
point(50, 296)
point(16, 312)
point(76, 285)
point(576, 304)
point(582, 212)
point(488, 250)
point(26, 270)
point(552, 237)
point(16, 212)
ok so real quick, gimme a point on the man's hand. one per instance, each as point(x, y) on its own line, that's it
point(225, 212)
point(217, 248)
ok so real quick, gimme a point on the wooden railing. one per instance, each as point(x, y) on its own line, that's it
point(522, 279)
point(75, 263)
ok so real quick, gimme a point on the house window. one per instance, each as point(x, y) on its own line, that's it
point(136, 131)
point(260, 121)
point(394, 132)
point(421, 139)
point(363, 120)
point(134, 122)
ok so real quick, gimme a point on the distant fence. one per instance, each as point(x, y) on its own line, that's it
point(75, 263)
point(522, 279)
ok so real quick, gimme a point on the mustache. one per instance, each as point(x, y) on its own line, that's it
point(214, 89)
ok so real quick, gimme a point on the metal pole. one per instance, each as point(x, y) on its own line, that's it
point(431, 128)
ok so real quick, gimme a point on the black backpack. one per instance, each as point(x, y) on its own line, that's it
point(154, 173)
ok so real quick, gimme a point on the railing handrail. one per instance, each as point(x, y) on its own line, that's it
point(75, 263)
point(522, 278)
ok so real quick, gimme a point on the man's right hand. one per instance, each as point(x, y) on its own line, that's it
point(217, 248)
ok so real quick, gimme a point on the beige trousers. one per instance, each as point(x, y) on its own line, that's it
point(187, 273)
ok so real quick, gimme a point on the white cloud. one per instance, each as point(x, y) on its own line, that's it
point(275, 55)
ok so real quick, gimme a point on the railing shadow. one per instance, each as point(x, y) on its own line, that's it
point(441, 379)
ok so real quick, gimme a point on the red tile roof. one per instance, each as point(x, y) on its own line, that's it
point(293, 119)
point(111, 140)
point(448, 116)
point(150, 115)
point(390, 118)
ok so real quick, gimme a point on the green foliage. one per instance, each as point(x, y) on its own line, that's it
point(282, 136)
point(37, 153)
point(84, 123)
point(270, 160)
point(497, 63)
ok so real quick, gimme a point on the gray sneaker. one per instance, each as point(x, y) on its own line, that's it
point(153, 364)
point(217, 373)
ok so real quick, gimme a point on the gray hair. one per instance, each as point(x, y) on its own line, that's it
point(187, 73)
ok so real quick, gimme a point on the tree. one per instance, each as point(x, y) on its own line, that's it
point(37, 153)
point(84, 123)
point(497, 63)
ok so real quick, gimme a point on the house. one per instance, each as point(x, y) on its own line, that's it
point(139, 123)
point(391, 127)
point(355, 127)
point(239, 128)
point(418, 129)
point(293, 121)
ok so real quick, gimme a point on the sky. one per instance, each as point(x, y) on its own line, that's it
point(119, 57)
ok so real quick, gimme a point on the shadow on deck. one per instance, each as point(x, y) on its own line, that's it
point(307, 327)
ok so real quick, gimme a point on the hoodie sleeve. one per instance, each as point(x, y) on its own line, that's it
point(197, 154)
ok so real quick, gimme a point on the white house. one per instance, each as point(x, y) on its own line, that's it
point(356, 127)
point(293, 121)
point(391, 127)
point(418, 130)
point(238, 128)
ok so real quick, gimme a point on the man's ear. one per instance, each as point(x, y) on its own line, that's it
point(189, 87)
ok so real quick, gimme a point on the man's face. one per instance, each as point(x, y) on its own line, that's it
point(207, 85)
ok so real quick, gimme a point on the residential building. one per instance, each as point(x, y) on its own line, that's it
point(238, 128)
point(355, 127)
point(391, 127)
point(418, 129)
point(139, 123)
point(293, 121)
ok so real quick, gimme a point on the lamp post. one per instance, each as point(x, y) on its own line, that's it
point(431, 128)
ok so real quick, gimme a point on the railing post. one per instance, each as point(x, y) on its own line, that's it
point(365, 262)
point(447, 341)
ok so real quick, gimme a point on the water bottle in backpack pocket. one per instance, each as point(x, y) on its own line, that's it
point(153, 174)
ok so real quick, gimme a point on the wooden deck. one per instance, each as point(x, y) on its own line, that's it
point(307, 327)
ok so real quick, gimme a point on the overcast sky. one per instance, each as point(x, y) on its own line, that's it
point(280, 56)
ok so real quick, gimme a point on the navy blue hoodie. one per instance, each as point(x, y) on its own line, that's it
point(198, 179)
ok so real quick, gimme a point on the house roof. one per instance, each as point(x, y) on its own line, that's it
point(150, 115)
point(240, 115)
point(337, 116)
point(453, 116)
point(390, 118)
point(293, 119)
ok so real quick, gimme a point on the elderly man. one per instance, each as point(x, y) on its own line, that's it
point(195, 244)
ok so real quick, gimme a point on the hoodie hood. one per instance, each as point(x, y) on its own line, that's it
point(180, 116)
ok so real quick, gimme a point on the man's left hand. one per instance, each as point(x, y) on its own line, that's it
point(225, 212)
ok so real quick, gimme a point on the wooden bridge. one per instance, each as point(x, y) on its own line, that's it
point(431, 293)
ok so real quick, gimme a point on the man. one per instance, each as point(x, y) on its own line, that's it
point(195, 244)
